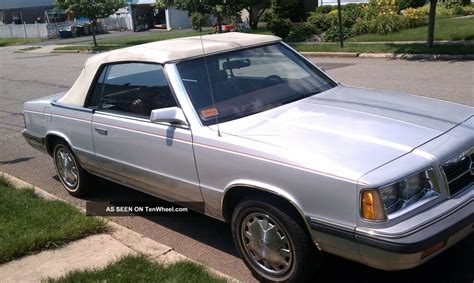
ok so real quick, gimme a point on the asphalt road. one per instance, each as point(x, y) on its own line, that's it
point(27, 76)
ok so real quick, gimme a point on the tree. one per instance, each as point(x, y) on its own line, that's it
point(431, 23)
point(255, 8)
point(92, 9)
point(289, 9)
point(218, 8)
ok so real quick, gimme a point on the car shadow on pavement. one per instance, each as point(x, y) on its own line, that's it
point(196, 226)
point(15, 161)
point(454, 265)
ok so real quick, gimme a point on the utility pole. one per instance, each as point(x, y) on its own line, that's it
point(341, 35)
point(431, 23)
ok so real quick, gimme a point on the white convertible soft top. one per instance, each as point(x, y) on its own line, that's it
point(162, 52)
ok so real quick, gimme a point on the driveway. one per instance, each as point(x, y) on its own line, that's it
point(28, 76)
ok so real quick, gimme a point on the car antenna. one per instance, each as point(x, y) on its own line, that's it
point(207, 71)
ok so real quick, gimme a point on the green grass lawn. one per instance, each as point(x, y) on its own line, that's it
point(149, 37)
point(445, 29)
point(30, 223)
point(13, 41)
point(387, 48)
point(141, 269)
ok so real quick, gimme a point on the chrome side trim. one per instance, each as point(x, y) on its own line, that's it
point(71, 107)
point(336, 225)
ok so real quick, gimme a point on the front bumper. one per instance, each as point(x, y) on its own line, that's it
point(390, 251)
point(35, 142)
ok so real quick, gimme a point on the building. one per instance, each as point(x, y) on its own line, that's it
point(143, 16)
point(28, 11)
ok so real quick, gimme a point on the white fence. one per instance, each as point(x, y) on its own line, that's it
point(52, 30)
point(117, 23)
point(24, 31)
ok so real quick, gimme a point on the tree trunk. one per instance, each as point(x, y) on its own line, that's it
point(252, 23)
point(431, 23)
point(219, 23)
point(339, 13)
point(254, 15)
point(94, 24)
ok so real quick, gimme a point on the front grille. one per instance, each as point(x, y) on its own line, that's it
point(459, 172)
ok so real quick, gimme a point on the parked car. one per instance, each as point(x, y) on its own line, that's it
point(296, 162)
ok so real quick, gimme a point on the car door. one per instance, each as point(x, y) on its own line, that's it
point(155, 158)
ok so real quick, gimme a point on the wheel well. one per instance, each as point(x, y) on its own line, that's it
point(236, 195)
point(50, 141)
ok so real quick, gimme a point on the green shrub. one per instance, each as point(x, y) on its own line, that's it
point(350, 14)
point(382, 6)
point(325, 9)
point(468, 10)
point(413, 18)
point(199, 20)
point(404, 4)
point(302, 32)
point(457, 11)
point(440, 10)
point(280, 27)
point(289, 9)
point(332, 34)
point(267, 16)
point(322, 22)
point(384, 23)
point(450, 4)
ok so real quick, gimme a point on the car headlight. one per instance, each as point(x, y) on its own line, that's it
point(399, 195)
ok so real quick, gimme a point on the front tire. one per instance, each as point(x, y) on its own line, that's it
point(272, 242)
point(70, 172)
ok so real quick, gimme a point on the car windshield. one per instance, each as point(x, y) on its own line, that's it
point(236, 84)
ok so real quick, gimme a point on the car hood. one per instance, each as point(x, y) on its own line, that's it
point(348, 131)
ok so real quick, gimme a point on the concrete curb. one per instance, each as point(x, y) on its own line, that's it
point(65, 51)
point(330, 54)
point(131, 239)
point(390, 55)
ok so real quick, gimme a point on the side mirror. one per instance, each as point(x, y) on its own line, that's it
point(172, 115)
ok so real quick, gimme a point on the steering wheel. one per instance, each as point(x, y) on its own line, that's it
point(271, 80)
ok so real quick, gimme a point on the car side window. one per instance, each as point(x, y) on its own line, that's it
point(94, 99)
point(133, 88)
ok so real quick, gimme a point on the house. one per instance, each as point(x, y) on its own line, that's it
point(144, 16)
point(28, 11)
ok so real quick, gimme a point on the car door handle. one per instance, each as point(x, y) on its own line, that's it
point(101, 131)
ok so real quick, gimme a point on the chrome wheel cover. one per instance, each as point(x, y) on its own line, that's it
point(67, 168)
point(266, 244)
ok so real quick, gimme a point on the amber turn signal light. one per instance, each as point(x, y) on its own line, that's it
point(371, 206)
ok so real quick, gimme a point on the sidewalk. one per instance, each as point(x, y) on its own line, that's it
point(91, 252)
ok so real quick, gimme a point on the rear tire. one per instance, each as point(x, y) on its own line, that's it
point(70, 172)
point(272, 242)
